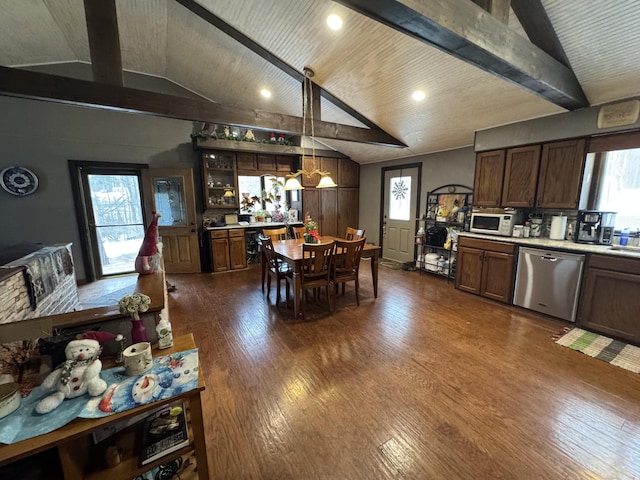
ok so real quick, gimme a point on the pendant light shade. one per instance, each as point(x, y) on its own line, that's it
point(326, 182)
point(293, 183)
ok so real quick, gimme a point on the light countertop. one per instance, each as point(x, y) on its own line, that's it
point(256, 225)
point(566, 245)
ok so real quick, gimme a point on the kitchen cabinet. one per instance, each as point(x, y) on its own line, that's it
point(348, 199)
point(219, 172)
point(228, 249)
point(610, 302)
point(324, 164)
point(560, 176)
point(322, 205)
point(485, 267)
point(348, 173)
point(487, 185)
point(521, 176)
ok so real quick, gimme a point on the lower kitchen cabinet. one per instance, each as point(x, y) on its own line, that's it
point(485, 267)
point(610, 302)
point(228, 250)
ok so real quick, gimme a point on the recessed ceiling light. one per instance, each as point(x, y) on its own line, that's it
point(265, 93)
point(334, 22)
point(418, 95)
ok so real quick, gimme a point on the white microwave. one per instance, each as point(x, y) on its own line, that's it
point(497, 223)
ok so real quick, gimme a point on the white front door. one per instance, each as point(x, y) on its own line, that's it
point(399, 214)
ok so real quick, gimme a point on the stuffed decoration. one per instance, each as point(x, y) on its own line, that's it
point(147, 259)
point(79, 374)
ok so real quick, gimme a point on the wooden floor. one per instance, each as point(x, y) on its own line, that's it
point(425, 382)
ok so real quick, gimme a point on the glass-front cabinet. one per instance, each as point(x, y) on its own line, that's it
point(219, 169)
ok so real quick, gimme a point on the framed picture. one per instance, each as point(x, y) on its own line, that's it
point(449, 204)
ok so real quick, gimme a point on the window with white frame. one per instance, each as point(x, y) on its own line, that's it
point(619, 188)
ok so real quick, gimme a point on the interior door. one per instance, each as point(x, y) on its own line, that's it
point(401, 188)
point(174, 199)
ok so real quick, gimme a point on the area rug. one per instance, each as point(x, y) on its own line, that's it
point(390, 264)
point(603, 348)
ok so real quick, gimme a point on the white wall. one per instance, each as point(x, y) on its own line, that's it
point(442, 168)
point(43, 136)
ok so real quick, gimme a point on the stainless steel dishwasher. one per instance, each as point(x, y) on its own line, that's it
point(548, 281)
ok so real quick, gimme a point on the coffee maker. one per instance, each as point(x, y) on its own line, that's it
point(594, 226)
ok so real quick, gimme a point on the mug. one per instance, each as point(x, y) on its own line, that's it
point(137, 358)
point(536, 227)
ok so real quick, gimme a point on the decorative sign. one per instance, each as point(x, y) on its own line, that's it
point(18, 180)
point(619, 114)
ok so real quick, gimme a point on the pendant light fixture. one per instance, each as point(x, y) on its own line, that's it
point(292, 182)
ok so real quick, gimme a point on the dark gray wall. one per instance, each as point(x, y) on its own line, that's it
point(43, 136)
point(441, 168)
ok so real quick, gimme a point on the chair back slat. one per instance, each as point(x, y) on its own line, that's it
point(269, 252)
point(298, 232)
point(347, 256)
point(354, 233)
point(317, 260)
point(276, 233)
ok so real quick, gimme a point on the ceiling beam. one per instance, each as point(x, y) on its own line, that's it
point(51, 88)
point(464, 30)
point(536, 24)
point(212, 19)
point(104, 41)
point(497, 8)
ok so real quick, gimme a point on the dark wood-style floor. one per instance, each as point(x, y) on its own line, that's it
point(425, 382)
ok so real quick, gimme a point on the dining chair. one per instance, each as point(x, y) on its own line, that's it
point(298, 232)
point(276, 233)
point(354, 234)
point(315, 272)
point(276, 269)
point(346, 263)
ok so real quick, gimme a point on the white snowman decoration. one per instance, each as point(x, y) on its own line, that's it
point(79, 374)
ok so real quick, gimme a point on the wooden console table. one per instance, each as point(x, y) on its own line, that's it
point(80, 458)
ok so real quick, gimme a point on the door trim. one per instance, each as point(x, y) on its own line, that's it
point(383, 172)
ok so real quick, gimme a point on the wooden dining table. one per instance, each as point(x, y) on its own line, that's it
point(290, 252)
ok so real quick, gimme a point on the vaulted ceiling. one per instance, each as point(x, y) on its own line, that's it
point(477, 71)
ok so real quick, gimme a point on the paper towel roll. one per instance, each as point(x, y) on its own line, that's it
point(558, 227)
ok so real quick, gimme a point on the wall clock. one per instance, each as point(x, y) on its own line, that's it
point(18, 180)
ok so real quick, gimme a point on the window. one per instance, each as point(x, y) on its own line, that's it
point(400, 198)
point(619, 187)
point(261, 187)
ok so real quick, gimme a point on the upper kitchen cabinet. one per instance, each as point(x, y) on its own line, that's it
point(324, 164)
point(487, 185)
point(560, 177)
point(220, 179)
point(521, 176)
point(348, 173)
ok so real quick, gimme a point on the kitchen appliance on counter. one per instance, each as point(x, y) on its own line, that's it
point(495, 223)
point(594, 226)
point(548, 282)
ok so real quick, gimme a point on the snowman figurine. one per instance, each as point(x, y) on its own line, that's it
point(79, 374)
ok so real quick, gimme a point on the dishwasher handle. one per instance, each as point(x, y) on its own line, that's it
point(548, 258)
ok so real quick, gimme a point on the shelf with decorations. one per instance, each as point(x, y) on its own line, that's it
point(220, 179)
point(448, 210)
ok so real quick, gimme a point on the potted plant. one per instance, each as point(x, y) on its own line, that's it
point(274, 194)
point(260, 215)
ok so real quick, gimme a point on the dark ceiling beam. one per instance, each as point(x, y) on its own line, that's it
point(464, 30)
point(104, 41)
point(258, 49)
point(536, 24)
point(499, 9)
point(51, 88)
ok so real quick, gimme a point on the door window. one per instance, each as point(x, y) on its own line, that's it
point(400, 198)
point(169, 201)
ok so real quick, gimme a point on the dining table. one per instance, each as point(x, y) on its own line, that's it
point(290, 252)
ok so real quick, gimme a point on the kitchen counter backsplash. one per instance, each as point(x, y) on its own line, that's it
point(632, 251)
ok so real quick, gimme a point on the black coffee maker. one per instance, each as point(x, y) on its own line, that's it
point(594, 226)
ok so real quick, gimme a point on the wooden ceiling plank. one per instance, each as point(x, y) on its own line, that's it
point(41, 86)
point(459, 28)
point(104, 41)
point(258, 49)
point(536, 24)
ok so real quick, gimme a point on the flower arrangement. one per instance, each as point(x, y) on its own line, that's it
point(133, 305)
point(311, 227)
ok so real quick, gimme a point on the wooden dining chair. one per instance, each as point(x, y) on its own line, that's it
point(315, 272)
point(346, 263)
point(298, 232)
point(276, 269)
point(276, 233)
point(354, 234)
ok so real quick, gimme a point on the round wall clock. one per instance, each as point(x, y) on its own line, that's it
point(18, 180)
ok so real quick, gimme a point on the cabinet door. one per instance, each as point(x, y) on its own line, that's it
point(487, 185)
point(309, 164)
point(497, 276)
point(237, 251)
point(267, 163)
point(220, 254)
point(610, 304)
point(284, 163)
point(311, 205)
point(469, 269)
point(329, 212)
point(348, 173)
point(560, 175)
point(247, 161)
point(521, 176)
point(348, 207)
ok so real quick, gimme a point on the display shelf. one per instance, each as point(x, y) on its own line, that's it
point(447, 207)
point(220, 177)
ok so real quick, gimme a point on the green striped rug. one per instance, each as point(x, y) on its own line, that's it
point(603, 348)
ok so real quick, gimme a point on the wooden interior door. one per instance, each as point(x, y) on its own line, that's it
point(174, 199)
